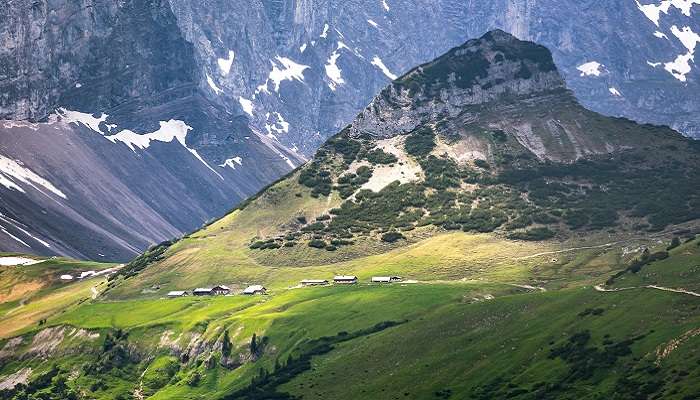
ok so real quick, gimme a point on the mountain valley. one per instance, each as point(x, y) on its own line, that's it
point(539, 251)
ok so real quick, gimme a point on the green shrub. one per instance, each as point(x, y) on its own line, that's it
point(379, 156)
point(317, 243)
point(675, 242)
point(420, 142)
point(482, 164)
point(316, 178)
point(391, 237)
point(533, 234)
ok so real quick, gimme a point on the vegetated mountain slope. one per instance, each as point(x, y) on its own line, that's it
point(483, 139)
point(263, 84)
point(34, 289)
point(157, 159)
point(468, 339)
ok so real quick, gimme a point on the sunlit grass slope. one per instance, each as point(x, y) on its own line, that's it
point(30, 293)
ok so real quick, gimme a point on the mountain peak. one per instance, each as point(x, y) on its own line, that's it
point(494, 67)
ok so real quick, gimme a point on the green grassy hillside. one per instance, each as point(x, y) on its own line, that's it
point(32, 293)
point(439, 339)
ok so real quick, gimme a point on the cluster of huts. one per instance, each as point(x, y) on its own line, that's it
point(219, 290)
point(349, 280)
point(222, 290)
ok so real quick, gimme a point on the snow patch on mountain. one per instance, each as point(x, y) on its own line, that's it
point(680, 67)
point(302, 48)
point(7, 261)
point(172, 129)
point(385, 4)
point(653, 11)
point(377, 62)
point(12, 173)
point(287, 160)
point(17, 225)
point(615, 92)
point(288, 70)
point(279, 126)
point(591, 68)
point(371, 22)
point(168, 131)
point(213, 86)
point(686, 35)
point(660, 35)
point(77, 117)
point(231, 162)
point(225, 63)
point(333, 72)
point(324, 34)
point(246, 104)
point(13, 237)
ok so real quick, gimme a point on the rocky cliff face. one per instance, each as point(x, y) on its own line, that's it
point(118, 148)
point(308, 67)
point(301, 70)
point(478, 72)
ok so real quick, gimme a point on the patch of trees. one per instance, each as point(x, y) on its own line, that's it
point(593, 193)
point(115, 354)
point(49, 385)
point(440, 173)
point(344, 145)
point(265, 244)
point(266, 384)
point(420, 142)
point(316, 178)
point(468, 68)
point(675, 242)
point(350, 182)
point(138, 264)
point(379, 156)
point(584, 360)
point(391, 237)
point(638, 263)
point(534, 234)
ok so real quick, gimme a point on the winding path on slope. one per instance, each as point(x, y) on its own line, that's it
point(601, 288)
point(570, 249)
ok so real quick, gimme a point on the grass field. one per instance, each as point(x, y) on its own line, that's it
point(484, 317)
point(30, 293)
point(454, 338)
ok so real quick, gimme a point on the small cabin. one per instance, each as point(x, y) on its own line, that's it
point(345, 279)
point(220, 290)
point(202, 292)
point(314, 282)
point(177, 293)
point(255, 289)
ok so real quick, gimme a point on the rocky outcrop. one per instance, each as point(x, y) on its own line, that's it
point(479, 72)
